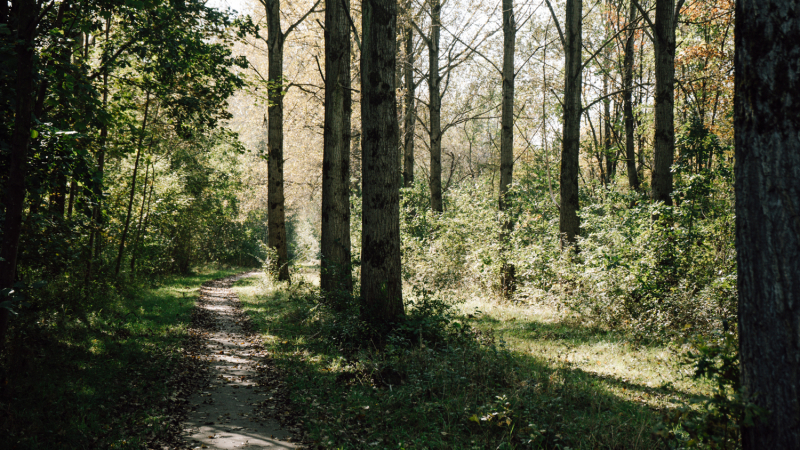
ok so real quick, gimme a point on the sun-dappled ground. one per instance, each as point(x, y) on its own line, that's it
point(510, 375)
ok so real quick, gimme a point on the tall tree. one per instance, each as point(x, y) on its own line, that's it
point(664, 109)
point(25, 29)
point(410, 118)
point(276, 216)
point(435, 105)
point(767, 186)
point(569, 225)
point(381, 283)
point(628, 60)
point(335, 273)
point(507, 138)
point(127, 222)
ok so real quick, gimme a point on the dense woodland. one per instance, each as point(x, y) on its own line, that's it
point(630, 166)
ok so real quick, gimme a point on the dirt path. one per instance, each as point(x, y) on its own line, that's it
point(227, 413)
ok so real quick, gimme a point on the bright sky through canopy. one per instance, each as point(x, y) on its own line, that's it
point(239, 5)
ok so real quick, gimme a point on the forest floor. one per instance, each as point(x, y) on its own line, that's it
point(536, 379)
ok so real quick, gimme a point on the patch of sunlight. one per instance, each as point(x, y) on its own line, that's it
point(645, 374)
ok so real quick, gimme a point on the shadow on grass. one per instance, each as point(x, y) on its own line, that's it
point(454, 395)
point(95, 380)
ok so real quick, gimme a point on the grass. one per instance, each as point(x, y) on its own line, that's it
point(92, 375)
point(534, 381)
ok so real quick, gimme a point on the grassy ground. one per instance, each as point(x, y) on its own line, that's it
point(94, 377)
point(534, 380)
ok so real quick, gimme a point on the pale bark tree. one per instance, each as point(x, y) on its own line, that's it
point(381, 282)
point(767, 186)
point(335, 273)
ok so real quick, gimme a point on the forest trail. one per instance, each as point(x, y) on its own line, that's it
point(226, 414)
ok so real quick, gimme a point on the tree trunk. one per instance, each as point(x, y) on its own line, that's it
point(127, 223)
point(435, 100)
point(14, 196)
point(766, 111)
point(381, 283)
point(630, 151)
point(507, 144)
point(335, 273)
point(73, 190)
point(664, 139)
point(611, 157)
point(275, 196)
point(141, 217)
point(143, 226)
point(569, 226)
point(411, 111)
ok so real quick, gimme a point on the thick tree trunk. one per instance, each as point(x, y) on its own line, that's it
point(335, 273)
point(126, 224)
point(14, 196)
point(630, 151)
point(569, 226)
point(664, 139)
point(411, 111)
point(507, 143)
point(276, 216)
point(435, 99)
point(766, 111)
point(381, 283)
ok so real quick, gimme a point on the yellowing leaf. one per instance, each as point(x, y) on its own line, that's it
point(474, 418)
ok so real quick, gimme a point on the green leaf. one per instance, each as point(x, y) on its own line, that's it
point(34, 134)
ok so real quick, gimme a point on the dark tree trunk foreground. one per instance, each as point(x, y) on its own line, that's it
point(767, 123)
point(569, 226)
point(381, 284)
point(14, 196)
point(335, 274)
point(507, 142)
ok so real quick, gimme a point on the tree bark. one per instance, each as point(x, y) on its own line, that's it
point(630, 151)
point(664, 138)
point(507, 144)
point(767, 186)
point(569, 226)
point(381, 283)
point(276, 216)
point(435, 99)
point(335, 273)
point(410, 107)
point(14, 196)
point(127, 222)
